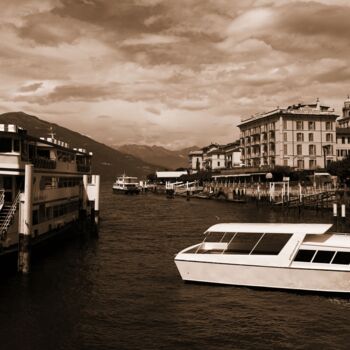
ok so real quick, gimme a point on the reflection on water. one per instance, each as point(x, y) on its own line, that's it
point(123, 291)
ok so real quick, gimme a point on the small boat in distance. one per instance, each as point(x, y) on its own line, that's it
point(126, 184)
point(284, 256)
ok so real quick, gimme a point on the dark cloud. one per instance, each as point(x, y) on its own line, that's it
point(31, 87)
point(175, 67)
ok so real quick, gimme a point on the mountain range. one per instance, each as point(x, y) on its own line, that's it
point(159, 156)
point(107, 161)
point(135, 160)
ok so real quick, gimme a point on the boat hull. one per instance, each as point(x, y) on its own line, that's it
point(265, 276)
point(126, 191)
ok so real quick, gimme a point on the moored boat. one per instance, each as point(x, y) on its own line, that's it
point(126, 185)
point(285, 256)
point(45, 188)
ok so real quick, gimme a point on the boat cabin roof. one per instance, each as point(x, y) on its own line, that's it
point(313, 229)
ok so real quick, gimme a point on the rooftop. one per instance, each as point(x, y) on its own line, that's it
point(298, 109)
point(315, 229)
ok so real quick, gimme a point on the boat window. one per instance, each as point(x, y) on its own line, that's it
point(16, 147)
point(5, 144)
point(304, 255)
point(214, 236)
point(271, 243)
point(323, 256)
point(227, 237)
point(342, 258)
point(243, 243)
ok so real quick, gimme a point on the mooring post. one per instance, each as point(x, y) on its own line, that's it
point(335, 216)
point(26, 212)
point(343, 217)
point(97, 200)
point(84, 195)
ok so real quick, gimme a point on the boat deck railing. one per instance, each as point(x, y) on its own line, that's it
point(9, 217)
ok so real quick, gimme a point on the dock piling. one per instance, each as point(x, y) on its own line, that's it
point(335, 216)
point(343, 217)
point(26, 209)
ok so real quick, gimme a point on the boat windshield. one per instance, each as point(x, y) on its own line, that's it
point(243, 243)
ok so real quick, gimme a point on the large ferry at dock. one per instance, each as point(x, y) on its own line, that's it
point(285, 256)
point(45, 188)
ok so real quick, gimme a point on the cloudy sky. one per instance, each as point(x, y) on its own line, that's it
point(170, 72)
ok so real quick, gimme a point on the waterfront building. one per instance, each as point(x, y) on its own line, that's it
point(196, 160)
point(211, 157)
point(169, 176)
point(343, 132)
point(344, 121)
point(301, 136)
point(215, 157)
point(232, 155)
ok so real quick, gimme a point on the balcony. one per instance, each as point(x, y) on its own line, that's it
point(44, 163)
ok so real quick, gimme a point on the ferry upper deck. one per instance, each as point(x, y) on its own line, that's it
point(17, 148)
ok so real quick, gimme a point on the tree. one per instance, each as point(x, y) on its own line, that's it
point(340, 168)
point(152, 177)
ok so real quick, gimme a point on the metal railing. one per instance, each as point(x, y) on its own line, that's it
point(8, 219)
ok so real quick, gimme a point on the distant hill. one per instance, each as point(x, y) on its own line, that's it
point(106, 160)
point(159, 156)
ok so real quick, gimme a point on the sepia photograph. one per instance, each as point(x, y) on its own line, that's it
point(174, 174)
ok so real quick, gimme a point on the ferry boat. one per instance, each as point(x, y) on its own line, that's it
point(45, 188)
point(303, 257)
point(126, 184)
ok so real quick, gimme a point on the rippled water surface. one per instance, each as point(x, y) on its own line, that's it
point(122, 290)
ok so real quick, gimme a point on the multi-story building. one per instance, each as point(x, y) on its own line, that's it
point(301, 136)
point(343, 132)
point(196, 160)
point(215, 157)
point(232, 155)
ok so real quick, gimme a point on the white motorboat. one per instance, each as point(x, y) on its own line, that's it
point(284, 256)
point(126, 184)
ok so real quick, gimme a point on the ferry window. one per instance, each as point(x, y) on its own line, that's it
point(342, 258)
point(5, 144)
point(44, 153)
point(16, 146)
point(304, 255)
point(35, 217)
point(323, 256)
point(243, 243)
point(272, 243)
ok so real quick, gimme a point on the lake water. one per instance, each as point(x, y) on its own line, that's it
point(123, 291)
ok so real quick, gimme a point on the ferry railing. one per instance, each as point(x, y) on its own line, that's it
point(8, 219)
point(44, 163)
point(2, 198)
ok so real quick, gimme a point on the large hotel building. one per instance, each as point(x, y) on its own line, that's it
point(302, 136)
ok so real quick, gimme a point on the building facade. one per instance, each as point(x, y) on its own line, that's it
point(215, 157)
point(196, 160)
point(302, 136)
point(343, 132)
point(232, 155)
